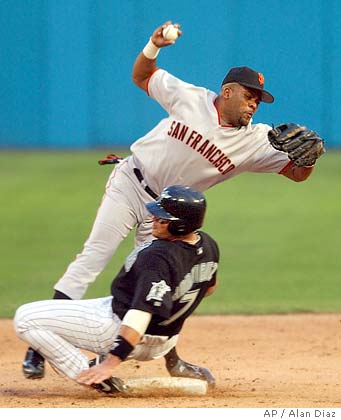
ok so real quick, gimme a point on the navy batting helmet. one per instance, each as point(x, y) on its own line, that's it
point(183, 206)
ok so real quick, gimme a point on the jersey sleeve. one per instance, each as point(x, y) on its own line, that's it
point(215, 256)
point(154, 288)
point(167, 89)
point(268, 159)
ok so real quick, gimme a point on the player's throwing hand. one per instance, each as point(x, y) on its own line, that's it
point(159, 40)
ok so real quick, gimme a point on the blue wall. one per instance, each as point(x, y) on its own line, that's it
point(66, 64)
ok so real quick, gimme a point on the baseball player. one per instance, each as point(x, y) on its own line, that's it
point(207, 138)
point(160, 285)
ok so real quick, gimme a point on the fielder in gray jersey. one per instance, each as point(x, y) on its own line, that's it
point(160, 285)
point(206, 139)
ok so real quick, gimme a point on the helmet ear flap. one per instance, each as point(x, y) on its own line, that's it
point(177, 228)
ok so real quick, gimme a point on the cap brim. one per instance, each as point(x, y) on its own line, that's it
point(156, 210)
point(265, 96)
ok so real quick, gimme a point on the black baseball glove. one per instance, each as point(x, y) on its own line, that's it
point(303, 146)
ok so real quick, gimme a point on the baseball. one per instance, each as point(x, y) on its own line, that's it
point(170, 33)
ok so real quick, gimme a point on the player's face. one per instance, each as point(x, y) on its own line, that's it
point(160, 228)
point(242, 105)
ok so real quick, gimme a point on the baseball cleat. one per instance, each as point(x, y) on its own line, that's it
point(113, 385)
point(33, 365)
point(181, 369)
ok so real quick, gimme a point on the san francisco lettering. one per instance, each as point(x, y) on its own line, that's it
point(205, 147)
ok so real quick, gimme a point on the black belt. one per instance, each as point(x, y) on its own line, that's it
point(148, 190)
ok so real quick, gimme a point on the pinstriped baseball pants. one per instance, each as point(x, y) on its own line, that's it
point(58, 329)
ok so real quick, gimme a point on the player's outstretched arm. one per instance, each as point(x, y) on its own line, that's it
point(145, 63)
point(127, 339)
point(297, 173)
point(134, 325)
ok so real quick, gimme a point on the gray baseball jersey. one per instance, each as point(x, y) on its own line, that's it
point(191, 147)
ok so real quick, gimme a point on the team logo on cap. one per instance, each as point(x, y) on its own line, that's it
point(261, 79)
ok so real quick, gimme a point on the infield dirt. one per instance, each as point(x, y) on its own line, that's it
point(258, 361)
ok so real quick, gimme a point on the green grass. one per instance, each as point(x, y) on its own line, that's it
point(279, 240)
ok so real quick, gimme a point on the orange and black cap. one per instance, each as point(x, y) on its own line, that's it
point(249, 78)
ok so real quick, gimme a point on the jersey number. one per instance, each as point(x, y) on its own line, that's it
point(190, 298)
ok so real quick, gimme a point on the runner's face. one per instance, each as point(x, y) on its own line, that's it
point(160, 228)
